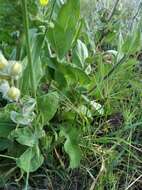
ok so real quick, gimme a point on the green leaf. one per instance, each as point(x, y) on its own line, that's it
point(48, 105)
point(4, 144)
point(5, 129)
point(61, 36)
point(28, 104)
point(71, 145)
point(26, 136)
point(6, 126)
point(80, 54)
point(46, 141)
point(60, 79)
point(36, 41)
point(20, 118)
point(71, 72)
point(26, 115)
point(132, 43)
point(30, 160)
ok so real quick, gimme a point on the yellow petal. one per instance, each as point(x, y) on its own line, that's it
point(44, 2)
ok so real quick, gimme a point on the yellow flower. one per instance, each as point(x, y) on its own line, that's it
point(44, 2)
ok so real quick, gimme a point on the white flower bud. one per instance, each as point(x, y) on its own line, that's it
point(16, 69)
point(13, 93)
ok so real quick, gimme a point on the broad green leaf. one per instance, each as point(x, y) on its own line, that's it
point(5, 128)
point(48, 105)
point(26, 136)
point(57, 7)
point(61, 35)
point(30, 160)
point(71, 72)
point(60, 79)
point(21, 118)
point(80, 54)
point(71, 146)
point(74, 74)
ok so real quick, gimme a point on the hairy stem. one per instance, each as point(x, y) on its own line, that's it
point(30, 62)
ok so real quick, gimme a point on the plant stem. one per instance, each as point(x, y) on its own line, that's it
point(135, 16)
point(27, 181)
point(113, 10)
point(30, 62)
point(106, 31)
point(5, 156)
point(50, 17)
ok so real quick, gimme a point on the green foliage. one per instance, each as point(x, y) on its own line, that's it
point(30, 160)
point(62, 32)
point(71, 146)
point(79, 92)
point(133, 41)
point(48, 105)
point(26, 136)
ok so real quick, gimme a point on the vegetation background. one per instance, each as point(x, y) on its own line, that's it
point(104, 117)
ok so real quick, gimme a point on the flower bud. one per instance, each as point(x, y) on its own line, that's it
point(3, 61)
point(44, 2)
point(13, 94)
point(16, 69)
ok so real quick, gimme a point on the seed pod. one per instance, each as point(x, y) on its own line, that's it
point(16, 69)
point(13, 94)
point(3, 62)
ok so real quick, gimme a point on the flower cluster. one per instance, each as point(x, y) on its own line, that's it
point(9, 71)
